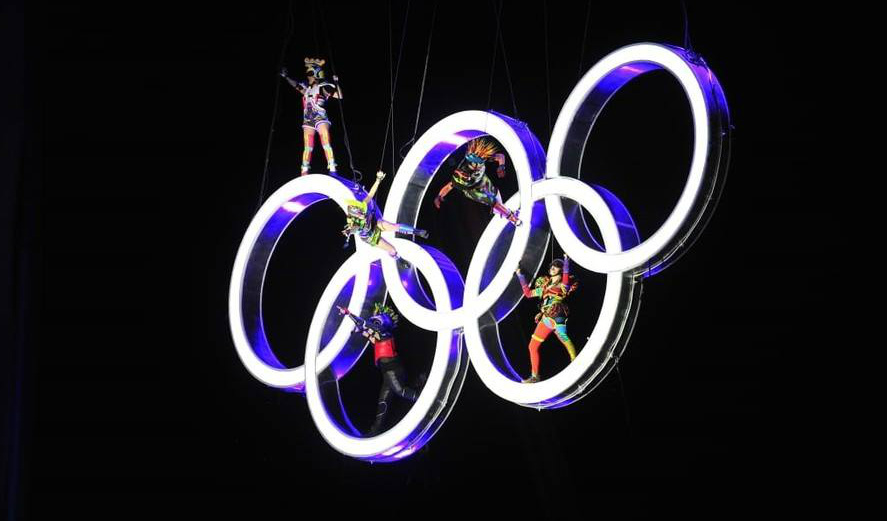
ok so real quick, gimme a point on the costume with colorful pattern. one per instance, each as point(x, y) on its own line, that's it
point(315, 93)
point(470, 178)
point(553, 311)
point(361, 220)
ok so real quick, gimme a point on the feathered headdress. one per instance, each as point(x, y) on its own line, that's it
point(480, 150)
point(381, 309)
point(314, 67)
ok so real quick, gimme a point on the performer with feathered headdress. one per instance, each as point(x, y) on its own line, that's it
point(471, 179)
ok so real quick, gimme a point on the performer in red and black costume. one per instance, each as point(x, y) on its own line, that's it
point(379, 329)
point(315, 93)
point(553, 311)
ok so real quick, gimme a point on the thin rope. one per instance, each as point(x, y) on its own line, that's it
point(584, 38)
point(393, 74)
point(316, 40)
point(507, 68)
point(547, 74)
point(286, 41)
point(356, 174)
point(687, 45)
point(412, 140)
point(495, 50)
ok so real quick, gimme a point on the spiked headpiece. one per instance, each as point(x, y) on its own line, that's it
point(480, 151)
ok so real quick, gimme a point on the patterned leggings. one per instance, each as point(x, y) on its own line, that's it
point(543, 329)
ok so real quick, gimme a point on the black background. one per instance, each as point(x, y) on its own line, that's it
point(145, 139)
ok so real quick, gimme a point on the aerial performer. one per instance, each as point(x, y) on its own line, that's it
point(379, 330)
point(315, 93)
point(362, 220)
point(552, 290)
point(471, 179)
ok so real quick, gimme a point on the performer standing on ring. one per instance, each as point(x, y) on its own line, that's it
point(471, 179)
point(315, 93)
point(552, 316)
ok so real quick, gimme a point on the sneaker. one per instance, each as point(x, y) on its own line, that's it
point(531, 380)
point(422, 233)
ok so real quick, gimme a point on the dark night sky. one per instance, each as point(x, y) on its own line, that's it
point(146, 129)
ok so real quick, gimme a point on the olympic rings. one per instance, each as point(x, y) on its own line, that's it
point(610, 333)
point(711, 124)
point(489, 292)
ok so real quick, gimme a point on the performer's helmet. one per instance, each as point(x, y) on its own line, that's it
point(384, 318)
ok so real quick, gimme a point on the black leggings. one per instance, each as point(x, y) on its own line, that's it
point(393, 383)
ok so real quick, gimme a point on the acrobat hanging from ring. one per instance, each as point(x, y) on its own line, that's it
point(315, 94)
point(379, 330)
point(471, 178)
point(363, 220)
point(553, 311)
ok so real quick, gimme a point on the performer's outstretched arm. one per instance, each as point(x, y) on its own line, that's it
point(359, 323)
point(372, 193)
point(500, 170)
point(565, 278)
point(443, 193)
point(528, 292)
point(296, 85)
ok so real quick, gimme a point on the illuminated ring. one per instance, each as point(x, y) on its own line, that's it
point(707, 168)
point(248, 278)
point(444, 381)
point(610, 333)
point(413, 177)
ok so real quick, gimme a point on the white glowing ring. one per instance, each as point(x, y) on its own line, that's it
point(456, 130)
point(608, 330)
point(281, 208)
point(444, 379)
point(709, 117)
point(453, 306)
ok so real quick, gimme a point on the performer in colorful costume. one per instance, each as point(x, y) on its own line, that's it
point(471, 179)
point(315, 93)
point(553, 311)
point(363, 222)
point(379, 330)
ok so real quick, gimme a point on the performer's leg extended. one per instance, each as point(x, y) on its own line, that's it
point(385, 245)
point(506, 213)
point(308, 137)
point(402, 228)
point(324, 129)
point(382, 407)
point(561, 331)
point(395, 379)
point(539, 335)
